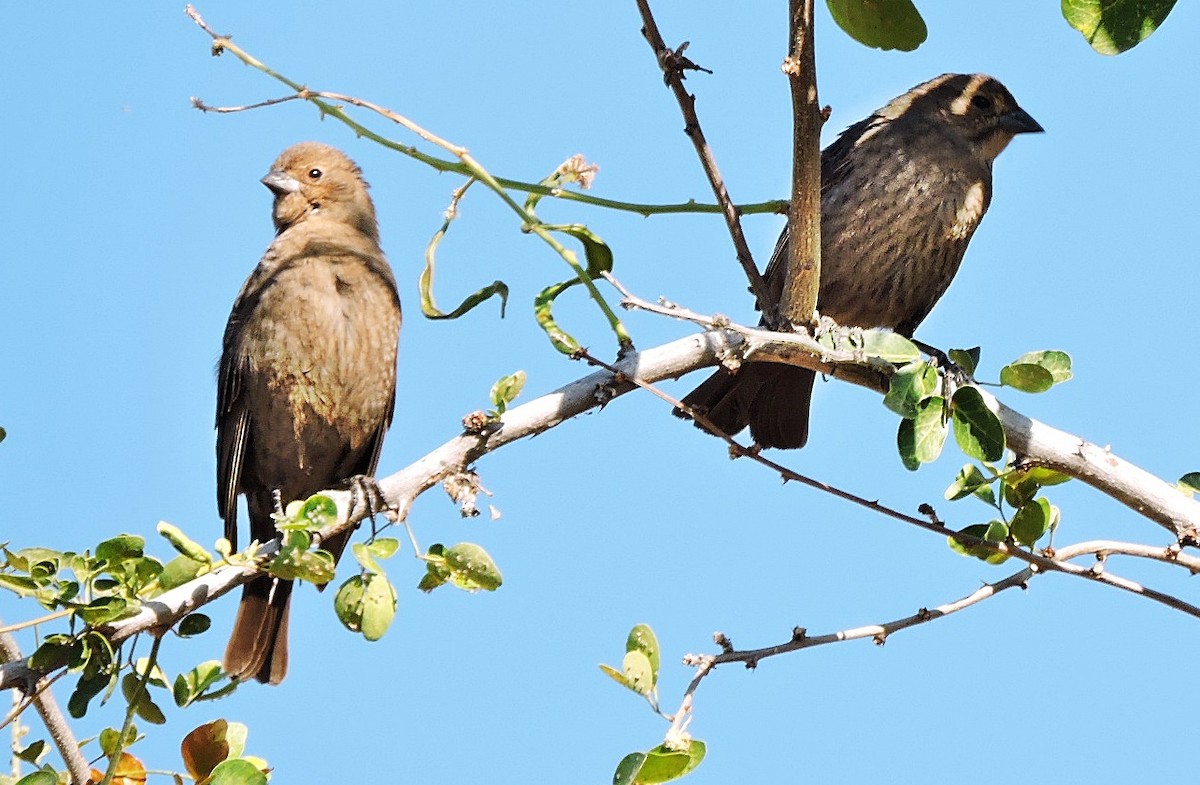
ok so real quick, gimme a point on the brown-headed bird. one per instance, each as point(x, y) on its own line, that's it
point(901, 194)
point(307, 380)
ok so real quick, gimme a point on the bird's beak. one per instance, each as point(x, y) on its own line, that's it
point(1018, 121)
point(282, 183)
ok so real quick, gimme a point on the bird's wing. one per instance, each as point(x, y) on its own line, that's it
point(233, 416)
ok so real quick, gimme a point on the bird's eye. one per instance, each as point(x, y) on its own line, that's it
point(981, 102)
point(314, 174)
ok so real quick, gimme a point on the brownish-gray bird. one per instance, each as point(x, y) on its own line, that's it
point(901, 194)
point(307, 380)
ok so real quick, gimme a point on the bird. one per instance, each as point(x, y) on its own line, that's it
point(306, 384)
point(902, 192)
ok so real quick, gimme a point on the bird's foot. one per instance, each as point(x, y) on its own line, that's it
point(366, 498)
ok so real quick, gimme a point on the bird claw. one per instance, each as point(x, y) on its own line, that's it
point(365, 493)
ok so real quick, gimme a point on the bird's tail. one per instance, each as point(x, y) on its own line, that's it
point(258, 647)
point(771, 398)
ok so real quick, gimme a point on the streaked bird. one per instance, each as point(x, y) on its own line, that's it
point(901, 194)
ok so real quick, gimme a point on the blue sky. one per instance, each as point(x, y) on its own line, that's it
point(131, 221)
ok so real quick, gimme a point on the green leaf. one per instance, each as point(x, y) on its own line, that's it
point(971, 482)
point(1026, 377)
point(626, 773)
point(909, 386)
point(966, 359)
point(994, 531)
point(3, 434)
point(111, 742)
point(920, 439)
point(663, 764)
point(506, 389)
point(976, 428)
point(890, 346)
point(642, 639)
point(1114, 26)
point(639, 674)
point(237, 772)
point(103, 609)
point(180, 542)
point(543, 312)
point(599, 260)
point(180, 570)
point(318, 511)
point(1019, 491)
point(1042, 476)
point(348, 602)
point(120, 548)
point(906, 443)
point(31, 753)
point(471, 568)
point(384, 547)
point(379, 607)
point(365, 558)
point(144, 706)
point(1031, 521)
point(86, 688)
point(39, 777)
point(295, 562)
point(191, 686)
point(1056, 362)
point(616, 675)
point(1190, 483)
point(599, 256)
point(880, 24)
point(930, 429)
point(425, 284)
point(194, 624)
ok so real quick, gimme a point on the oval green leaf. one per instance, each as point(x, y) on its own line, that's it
point(1114, 26)
point(639, 675)
point(1026, 377)
point(379, 607)
point(976, 428)
point(1031, 521)
point(642, 638)
point(881, 24)
point(966, 359)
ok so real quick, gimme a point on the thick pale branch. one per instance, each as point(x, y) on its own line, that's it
point(1035, 441)
point(43, 700)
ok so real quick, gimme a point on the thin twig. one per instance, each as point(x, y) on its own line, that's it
point(222, 44)
point(673, 63)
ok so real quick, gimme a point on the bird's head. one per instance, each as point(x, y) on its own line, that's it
point(312, 179)
point(975, 108)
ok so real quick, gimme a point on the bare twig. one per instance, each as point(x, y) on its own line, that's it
point(800, 639)
point(672, 62)
point(223, 44)
point(799, 296)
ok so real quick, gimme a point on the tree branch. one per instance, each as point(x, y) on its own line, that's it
point(56, 724)
point(1037, 442)
point(673, 64)
point(799, 297)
